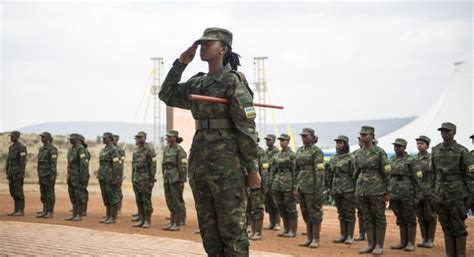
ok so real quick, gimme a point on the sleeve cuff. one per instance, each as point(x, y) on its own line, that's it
point(179, 67)
point(252, 166)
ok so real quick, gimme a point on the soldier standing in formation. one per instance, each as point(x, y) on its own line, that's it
point(77, 163)
point(283, 186)
point(270, 205)
point(122, 165)
point(47, 173)
point(143, 180)
point(174, 166)
point(224, 151)
point(309, 167)
point(16, 163)
point(341, 184)
point(256, 198)
point(372, 190)
point(405, 189)
point(360, 218)
point(450, 163)
point(87, 175)
point(109, 176)
point(425, 209)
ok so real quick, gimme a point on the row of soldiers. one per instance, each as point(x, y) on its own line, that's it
point(426, 186)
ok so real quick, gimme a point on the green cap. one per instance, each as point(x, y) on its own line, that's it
point(284, 137)
point(270, 137)
point(75, 136)
point(46, 134)
point(424, 138)
point(81, 137)
point(400, 141)
point(140, 134)
point(213, 34)
point(367, 130)
point(342, 138)
point(447, 126)
point(15, 133)
point(108, 134)
point(172, 133)
point(307, 131)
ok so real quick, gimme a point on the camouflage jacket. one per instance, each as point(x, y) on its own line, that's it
point(283, 170)
point(422, 163)
point(341, 178)
point(310, 170)
point(241, 139)
point(122, 159)
point(47, 160)
point(269, 154)
point(262, 167)
point(451, 166)
point(174, 164)
point(404, 177)
point(109, 166)
point(372, 168)
point(77, 163)
point(144, 166)
point(16, 161)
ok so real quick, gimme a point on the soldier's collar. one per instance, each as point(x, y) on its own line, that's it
point(218, 77)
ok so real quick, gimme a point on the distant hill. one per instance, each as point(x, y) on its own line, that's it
point(326, 131)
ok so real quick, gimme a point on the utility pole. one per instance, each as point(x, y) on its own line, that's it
point(155, 89)
point(261, 91)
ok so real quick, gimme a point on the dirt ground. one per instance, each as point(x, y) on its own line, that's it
point(270, 242)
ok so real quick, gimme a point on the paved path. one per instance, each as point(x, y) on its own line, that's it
point(32, 239)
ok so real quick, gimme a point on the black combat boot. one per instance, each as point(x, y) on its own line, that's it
point(15, 210)
point(362, 233)
point(276, 221)
point(49, 211)
point(147, 223)
point(42, 213)
point(21, 208)
point(176, 221)
point(292, 227)
point(379, 241)
point(430, 234)
point(450, 245)
point(169, 225)
point(107, 214)
point(79, 211)
point(316, 231)
point(350, 233)
point(461, 246)
point(309, 235)
point(423, 232)
point(141, 220)
point(257, 234)
point(411, 236)
point(343, 232)
point(113, 214)
point(403, 238)
point(285, 227)
point(370, 242)
point(74, 212)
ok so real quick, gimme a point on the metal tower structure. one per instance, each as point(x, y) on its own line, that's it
point(261, 92)
point(155, 89)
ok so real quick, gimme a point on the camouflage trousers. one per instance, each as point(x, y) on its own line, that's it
point(174, 197)
point(452, 216)
point(255, 206)
point(222, 218)
point(77, 192)
point(16, 188)
point(86, 184)
point(143, 199)
point(404, 211)
point(270, 205)
point(47, 189)
point(426, 212)
point(120, 189)
point(110, 192)
point(373, 211)
point(286, 204)
point(346, 206)
point(311, 208)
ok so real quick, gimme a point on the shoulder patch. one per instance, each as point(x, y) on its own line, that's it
point(419, 174)
point(54, 156)
point(116, 159)
point(387, 168)
point(22, 153)
point(184, 161)
point(265, 165)
point(320, 166)
point(82, 155)
point(471, 168)
point(250, 112)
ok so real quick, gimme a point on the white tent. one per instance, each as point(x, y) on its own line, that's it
point(455, 105)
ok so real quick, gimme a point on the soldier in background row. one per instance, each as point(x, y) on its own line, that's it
point(270, 205)
point(256, 198)
point(16, 163)
point(77, 164)
point(47, 173)
point(87, 175)
point(122, 165)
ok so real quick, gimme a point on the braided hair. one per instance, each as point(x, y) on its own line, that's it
point(231, 57)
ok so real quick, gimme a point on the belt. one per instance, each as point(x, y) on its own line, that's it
point(213, 124)
point(342, 174)
point(449, 178)
point(306, 167)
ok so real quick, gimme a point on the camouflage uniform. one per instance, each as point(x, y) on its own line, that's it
point(16, 163)
point(283, 185)
point(143, 179)
point(309, 167)
point(76, 173)
point(341, 184)
point(372, 184)
point(47, 173)
point(255, 203)
point(87, 175)
point(121, 167)
point(174, 167)
point(425, 209)
point(405, 189)
point(223, 150)
point(109, 176)
point(270, 206)
point(451, 166)
point(360, 217)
